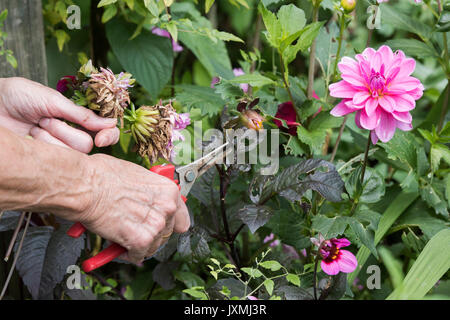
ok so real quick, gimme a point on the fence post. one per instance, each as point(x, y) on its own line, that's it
point(25, 28)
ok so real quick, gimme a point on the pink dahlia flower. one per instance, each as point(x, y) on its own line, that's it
point(378, 86)
point(164, 33)
point(335, 259)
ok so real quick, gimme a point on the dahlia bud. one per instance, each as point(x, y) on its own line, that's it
point(252, 119)
point(348, 5)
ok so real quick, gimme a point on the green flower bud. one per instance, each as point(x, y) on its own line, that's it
point(348, 5)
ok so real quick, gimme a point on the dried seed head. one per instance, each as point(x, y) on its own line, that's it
point(108, 94)
point(153, 130)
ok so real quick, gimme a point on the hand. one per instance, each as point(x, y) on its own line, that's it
point(132, 206)
point(29, 108)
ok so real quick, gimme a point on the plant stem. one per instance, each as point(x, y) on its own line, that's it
point(316, 264)
point(366, 156)
point(14, 237)
point(286, 85)
point(444, 107)
point(312, 55)
point(338, 140)
point(16, 257)
point(338, 52)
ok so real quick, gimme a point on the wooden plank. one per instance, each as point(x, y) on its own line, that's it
point(25, 28)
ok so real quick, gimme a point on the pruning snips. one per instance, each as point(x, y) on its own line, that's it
point(184, 176)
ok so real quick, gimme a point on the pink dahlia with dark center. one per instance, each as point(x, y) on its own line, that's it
point(378, 86)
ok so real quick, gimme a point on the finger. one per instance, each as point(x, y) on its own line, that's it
point(154, 247)
point(182, 219)
point(42, 135)
point(66, 109)
point(167, 232)
point(74, 138)
point(107, 137)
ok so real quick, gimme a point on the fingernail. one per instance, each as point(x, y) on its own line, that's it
point(44, 122)
point(101, 142)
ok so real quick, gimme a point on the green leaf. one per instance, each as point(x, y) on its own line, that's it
point(373, 186)
point(404, 22)
point(208, 5)
point(255, 216)
point(109, 13)
point(3, 15)
point(268, 284)
point(212, 55)
point(307, 36)
point(292, 19)
point(365, 236)
point(402, 147)
point(152, 7)
point(330, 227)
point(293, 278)
point(434, 198)
point(294, 181)
point(438, 152)
point(314, 136)
point(393, 211)
point(413, 47)
point(62, 38)
point(11, 60)
point(271, 264)
point(148, 57)
point(253, 79)
point(194, 292)
point(272, 24)
point(103, 3)
point(252, 272)
point(203, 98)
point(432, 263)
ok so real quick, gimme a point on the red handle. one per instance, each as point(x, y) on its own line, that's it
point(103, 257)
point(76, 230)
point(115, 250)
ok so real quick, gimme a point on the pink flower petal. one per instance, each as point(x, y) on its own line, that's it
point(386, 129)
point(404, 102)
point(402, 116)
point(347, 261)
point(376, 62)
point(369, 122)
point(340, 243)
point(407, 68)
point(371, 106)
point(342, 89)
point(360, 97)
point(406, 84)
point(387, 103)
point(341, 109)
point(387, 56)
point(373, 137)
point(404, 126)
point(348, 66)
point(331, 268)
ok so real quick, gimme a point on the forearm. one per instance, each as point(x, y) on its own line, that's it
point(36, 176)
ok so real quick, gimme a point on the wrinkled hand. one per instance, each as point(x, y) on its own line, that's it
point(133, 207)
point(29, 108)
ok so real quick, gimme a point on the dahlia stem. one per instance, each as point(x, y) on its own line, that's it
point(312, 55)
point(316, 263)
point(338, 140)
point(366, 156)
point(338, 52)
